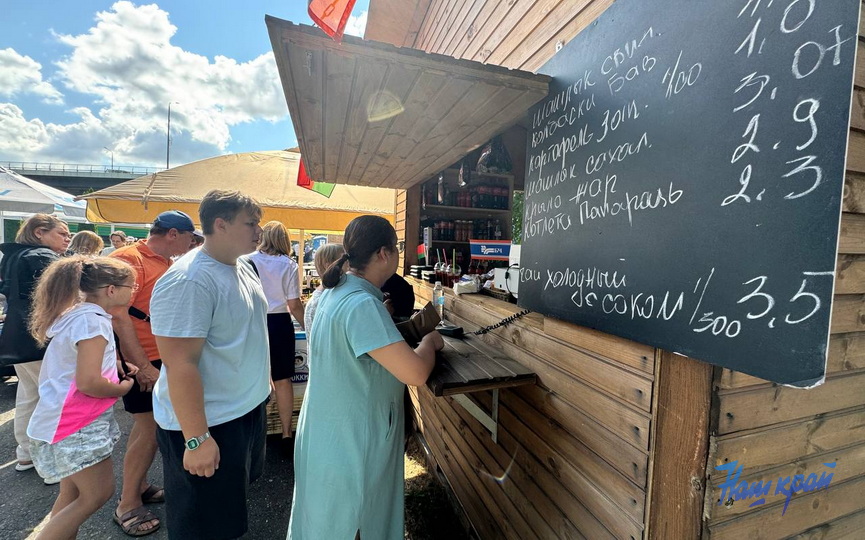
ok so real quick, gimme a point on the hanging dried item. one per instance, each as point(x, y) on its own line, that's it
point(465, 172)
point(495, 158)
point(441, 189)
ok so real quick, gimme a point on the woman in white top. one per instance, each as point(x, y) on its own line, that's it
point(278, 273)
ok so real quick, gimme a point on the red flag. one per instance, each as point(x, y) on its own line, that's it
point(304, 181)
point(331, 16)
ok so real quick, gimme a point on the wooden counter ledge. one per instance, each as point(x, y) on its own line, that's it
point(470, 365)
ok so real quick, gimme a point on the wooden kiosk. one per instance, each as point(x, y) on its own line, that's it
point(617, 438)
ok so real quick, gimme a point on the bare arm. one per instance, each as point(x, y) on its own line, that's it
point(295, 307)
point(132, 350)
point(88, 371)
point(410, 366)
point(180, 356)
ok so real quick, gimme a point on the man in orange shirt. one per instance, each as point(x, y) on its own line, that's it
point(170, 235)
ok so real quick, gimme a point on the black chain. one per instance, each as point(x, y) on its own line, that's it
point(503, 322)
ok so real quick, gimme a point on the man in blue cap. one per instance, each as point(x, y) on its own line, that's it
point(171, 235)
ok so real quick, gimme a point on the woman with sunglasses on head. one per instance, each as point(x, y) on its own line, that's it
point(41, 240)
point(349, 448)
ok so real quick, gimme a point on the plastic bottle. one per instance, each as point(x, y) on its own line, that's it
point(439, 299)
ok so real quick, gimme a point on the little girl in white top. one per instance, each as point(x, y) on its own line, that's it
point(73, 430)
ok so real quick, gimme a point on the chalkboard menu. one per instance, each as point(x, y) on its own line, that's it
point(684, 179)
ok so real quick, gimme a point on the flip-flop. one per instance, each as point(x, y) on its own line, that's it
point(153, 494)
point(131, 521)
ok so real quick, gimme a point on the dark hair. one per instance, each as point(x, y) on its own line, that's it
point(220, 203)
point(364, 236)
point(156, 230)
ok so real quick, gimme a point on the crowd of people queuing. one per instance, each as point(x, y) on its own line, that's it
point(191, 328)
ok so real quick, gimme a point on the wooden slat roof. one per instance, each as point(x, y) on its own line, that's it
point(372, 114)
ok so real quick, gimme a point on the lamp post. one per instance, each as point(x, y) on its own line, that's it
point(168, 139)
point(112, 157)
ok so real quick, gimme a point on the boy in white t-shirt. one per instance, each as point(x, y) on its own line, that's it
point(208, 313)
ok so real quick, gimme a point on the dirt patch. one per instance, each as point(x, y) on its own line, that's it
point(428, 512)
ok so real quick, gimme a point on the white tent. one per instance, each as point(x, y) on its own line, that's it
point(21, 194)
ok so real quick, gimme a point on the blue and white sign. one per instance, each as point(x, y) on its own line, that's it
point(490, 250)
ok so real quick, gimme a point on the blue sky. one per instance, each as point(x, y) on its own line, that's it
point(79, 76)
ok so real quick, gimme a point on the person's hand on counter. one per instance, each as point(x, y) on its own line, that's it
point(434, 340)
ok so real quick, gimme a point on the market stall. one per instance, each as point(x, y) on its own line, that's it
point(622, 437)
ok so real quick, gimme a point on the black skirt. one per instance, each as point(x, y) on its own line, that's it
point(280, 335)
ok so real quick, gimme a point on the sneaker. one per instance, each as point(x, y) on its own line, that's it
point(21, 467)
point(47, 483)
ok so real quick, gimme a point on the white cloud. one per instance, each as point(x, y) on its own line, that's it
point(21, 74)
point(128, 67)
point(356, 26)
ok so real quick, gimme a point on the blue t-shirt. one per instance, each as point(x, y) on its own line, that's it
point(200, 297)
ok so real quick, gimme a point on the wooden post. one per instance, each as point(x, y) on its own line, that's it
point(681, 407)
point(301, 274)
point(411, 227)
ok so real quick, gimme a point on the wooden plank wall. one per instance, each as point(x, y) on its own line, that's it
point(572, 456)
point(400, 225)
point(776, 431)
point(567, 434)
point(516, 34)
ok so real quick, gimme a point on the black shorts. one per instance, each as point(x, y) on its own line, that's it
point(137, 400)
point(280, 336)
point(213, 508)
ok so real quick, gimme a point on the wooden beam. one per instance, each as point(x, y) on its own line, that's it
point(680, 440)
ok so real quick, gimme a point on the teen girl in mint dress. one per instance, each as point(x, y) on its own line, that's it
point(349, 446)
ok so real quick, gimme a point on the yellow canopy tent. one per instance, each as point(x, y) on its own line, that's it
point(269, 177)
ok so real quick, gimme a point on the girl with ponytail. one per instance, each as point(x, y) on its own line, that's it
point(349, 445)
point(72, 430)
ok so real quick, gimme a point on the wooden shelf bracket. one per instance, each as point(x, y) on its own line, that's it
point(488, 420)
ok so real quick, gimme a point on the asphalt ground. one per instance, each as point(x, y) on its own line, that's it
point(25, 501)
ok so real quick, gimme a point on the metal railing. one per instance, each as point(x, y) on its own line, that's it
point(76, 168)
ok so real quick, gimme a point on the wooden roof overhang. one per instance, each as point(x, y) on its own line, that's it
point(372, 114)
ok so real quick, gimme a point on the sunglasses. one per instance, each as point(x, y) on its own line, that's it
point(134, 287)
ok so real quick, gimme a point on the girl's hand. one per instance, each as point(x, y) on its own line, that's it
point(125, 386)
point(132, 370)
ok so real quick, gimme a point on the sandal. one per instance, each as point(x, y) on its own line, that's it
point(132, 521)
point(153, 494)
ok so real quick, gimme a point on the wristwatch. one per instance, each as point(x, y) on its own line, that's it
point(195, 442)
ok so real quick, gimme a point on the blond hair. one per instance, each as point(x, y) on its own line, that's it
point(326, 255)
point(27, 231)
point(86, 243)
point(60, 286)
point(275, 239)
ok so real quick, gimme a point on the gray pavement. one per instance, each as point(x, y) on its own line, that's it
point(25, 500)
